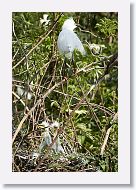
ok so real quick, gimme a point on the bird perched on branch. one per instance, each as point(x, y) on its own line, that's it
point(68, 40)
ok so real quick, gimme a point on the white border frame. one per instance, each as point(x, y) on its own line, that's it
point(6, 174)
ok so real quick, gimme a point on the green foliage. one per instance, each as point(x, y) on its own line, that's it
point(107, 26)
point(84, 104)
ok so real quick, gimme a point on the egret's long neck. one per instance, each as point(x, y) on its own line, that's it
point(67, 28)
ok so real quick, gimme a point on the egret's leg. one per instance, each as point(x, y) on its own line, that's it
point(64, 73)
point(65, 70)
point(74, 64)
point(62, 69)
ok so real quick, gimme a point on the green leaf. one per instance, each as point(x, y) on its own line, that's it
point(80, 112)
point(81, 139)
point(55, 104)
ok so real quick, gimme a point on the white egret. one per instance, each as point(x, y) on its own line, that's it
point(68, 40)
point(46, 137)
point(21, 92)
point(46, 140)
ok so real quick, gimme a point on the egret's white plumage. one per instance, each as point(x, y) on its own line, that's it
point(68, 40)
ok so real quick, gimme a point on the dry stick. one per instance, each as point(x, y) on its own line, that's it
point(90, 108)
point(51, 89)
point(86, 31)
point(16, 167)
point(71, 114)
point(39, 42)
point(27, 66)
point(84, 97)
point(37, 103)
point(68, 120)
point(45, 95)
point(18, 97)
point(53, 75)
point(107, 134)
point(104, 109)
point(69, 137)
point(94, 85)
point(23, 51)
point(38, 86)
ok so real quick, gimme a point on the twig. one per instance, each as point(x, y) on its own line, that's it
point(18, 97)
point(107, 135)
point(71, 114)
point(37, 103)
point(104, 109)
point(57, 85)
point(39, 42)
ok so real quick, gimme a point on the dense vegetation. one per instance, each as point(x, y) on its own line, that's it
point(65, 115)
